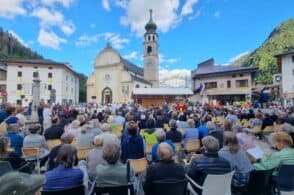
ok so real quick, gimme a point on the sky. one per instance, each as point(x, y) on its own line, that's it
point(190, 31)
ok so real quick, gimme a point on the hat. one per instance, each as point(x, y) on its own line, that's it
point(11, 120)
point(20, 183)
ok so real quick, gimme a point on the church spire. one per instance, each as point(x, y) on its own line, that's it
point(150, 11)
point(150, 26)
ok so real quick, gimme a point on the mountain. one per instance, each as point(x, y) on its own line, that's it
point(281, 39)
point(11, 48)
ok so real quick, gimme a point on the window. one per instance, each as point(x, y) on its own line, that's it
point(20, 66)
point(19, 86)
point(228, 84)
point(35, 74)
point(153, 38)
point(149, 49)
point(137, 86)
point(241, 83)
point(50, 75)
point(233, 75)
point(18, 102)
point(210, 85)
point(49, 87)
point(292, 58)
point(35, 67)
point(50, 68)
point(149, 38)
point(66, 77)
point(293, 72)
point(241, 75)
point(19, 74)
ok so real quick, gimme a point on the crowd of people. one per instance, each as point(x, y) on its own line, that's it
point(224, 143)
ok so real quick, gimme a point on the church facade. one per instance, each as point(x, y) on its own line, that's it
point(114, 77)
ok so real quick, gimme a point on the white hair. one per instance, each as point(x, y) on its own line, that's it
point(160, 135)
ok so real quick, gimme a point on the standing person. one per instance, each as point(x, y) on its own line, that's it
point(40, 114)
point(47, 114)
point(55, 131)
point(21, 120)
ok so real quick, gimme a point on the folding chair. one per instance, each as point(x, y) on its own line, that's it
point(139, 165)
point(80, 190)
point(168, 187)
point(178, 146)
point(149, 148)
point(32, 152)
point(114, 190)
point(83, 153)
point(52, 143)
point(192, 146)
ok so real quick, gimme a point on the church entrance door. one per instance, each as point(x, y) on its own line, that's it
point(106, 95)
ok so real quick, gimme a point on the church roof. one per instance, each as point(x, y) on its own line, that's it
point(162, 91)
point(150, 26)
point(129, 66)
point(139, 79)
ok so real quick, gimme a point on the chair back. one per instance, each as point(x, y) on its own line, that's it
point(149, 148)
point(192, 145)
point(52, 143)
point(115, 190)
point(260, 182)
point(83, 153)
point(5, 167)
point(72, 191)
point(268, 129)
point(31, 152)
point(168, 187)
point(256, 129)
point(218, 184)
point(74, 142)
point(178, 146)
point(285, 178)
point(139, 165)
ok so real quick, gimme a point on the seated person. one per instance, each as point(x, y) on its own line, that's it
point(65, 175)
point(95, 157)
point(238, 159)
point(285, 154)
point(149, 133)
point(55, 131)
point(166, 168)
point(112, 173)
point(173, 134)
point(160, 135)
point(190, 133)
point(85, 138)
point(209, 162)
point(66, 138)
point(16, 162)
point(16, 140)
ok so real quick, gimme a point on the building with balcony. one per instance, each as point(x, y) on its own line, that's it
point(222, 83)
point(59, 83)
point(286, 66)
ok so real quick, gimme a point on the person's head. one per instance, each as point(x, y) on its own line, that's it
point(13, 128)
point(4, 145)
point(95, 123)
point(150, 123)
point(55, 121)
point(98, 141)
point(231, 141)
point(165, 152)
point(75, 124)
point(210, 144)
point(111, 153)
point(11, 110)
point(34, 129)
point(132, 128)
point(66, 156)
point(66, 138)
point(85, 128)
point(210, 126)
point(237, 129)
point(160, 135)
point(258, 115)
point(19, 110)
point(227, 126)
point(282, 140)
point(191, 123)
point(173, 123)
point(105, 127)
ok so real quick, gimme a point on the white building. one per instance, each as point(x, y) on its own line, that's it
point(59, 83)
point(286, 66)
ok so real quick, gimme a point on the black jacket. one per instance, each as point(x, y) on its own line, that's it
point(53, 132)
point(174, 135)
point(207, 164)
point(162, 170)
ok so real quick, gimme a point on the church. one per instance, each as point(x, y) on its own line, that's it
point(114, 77)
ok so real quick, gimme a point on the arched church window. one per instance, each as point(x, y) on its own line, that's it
point(149, 38)
point(137, 86)
point(153, 38)
point(149, 49)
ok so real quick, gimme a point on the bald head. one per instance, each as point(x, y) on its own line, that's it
point(165, 152)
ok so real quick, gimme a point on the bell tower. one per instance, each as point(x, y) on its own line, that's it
point(151, 59)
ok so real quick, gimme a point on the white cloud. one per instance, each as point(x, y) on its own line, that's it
point(53, 18)
point(132, 55)
point(11, 8)
point(106, 5)
point(217, 14)
point(238, 56)
point(163, 59)
point(175, 77)
point(113, 38)
point(194, 16)
point(86, 40)
point(65, 3)
point(50, 39)
point(188, 7)
point(18, 38)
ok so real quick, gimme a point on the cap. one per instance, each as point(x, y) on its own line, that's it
point(12, 120)
point(20, 183)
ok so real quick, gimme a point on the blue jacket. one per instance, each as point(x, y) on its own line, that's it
point(132, 147)
point(63, 178)
point(16, 142)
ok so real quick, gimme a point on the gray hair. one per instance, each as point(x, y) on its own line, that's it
point(191, 123)
point(66, 137)
point(210, 144)
point(98, 140)
point(105, 127)
point(13, 128)
point(160, 135)
point(111, 153)
point(287, 127)
point(210, 126)
point(75, 124)
point(164, 152)
point(173, 123)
